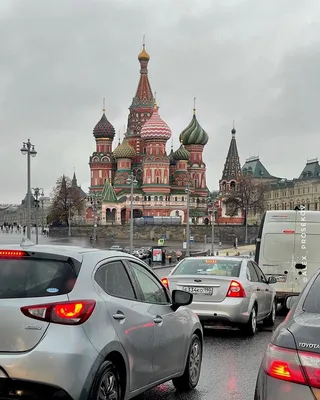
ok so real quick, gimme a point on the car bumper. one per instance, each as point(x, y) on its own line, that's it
point(274, 389)
point(228, 312)
point(64, 364)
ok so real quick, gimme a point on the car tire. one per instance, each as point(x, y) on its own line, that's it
point(107, 381)
point(250, 328)
point(190, 378)
point(271, 318)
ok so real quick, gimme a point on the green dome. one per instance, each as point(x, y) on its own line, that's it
point(124, 150)
point(194, 133)
point(181, 154)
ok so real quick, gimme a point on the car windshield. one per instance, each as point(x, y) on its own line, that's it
point(209, 266)
point(35, 278)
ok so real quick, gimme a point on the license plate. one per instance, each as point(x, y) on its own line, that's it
point(281, 279)
point(199, 290)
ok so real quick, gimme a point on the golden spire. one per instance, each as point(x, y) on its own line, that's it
point(143, 56)
point(194, 106)
point(104, 105)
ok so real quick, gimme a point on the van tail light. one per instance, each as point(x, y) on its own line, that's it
point(236, 290)
point(165, 282)
point(66, 313)
point(289, 365)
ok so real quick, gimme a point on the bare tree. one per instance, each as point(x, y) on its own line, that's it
point(65, 199)
point(249, 194)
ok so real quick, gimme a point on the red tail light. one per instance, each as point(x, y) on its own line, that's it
point(289, 365)
point(67, 313)
point(165, 282)
point(13, 253)
point(236, 290)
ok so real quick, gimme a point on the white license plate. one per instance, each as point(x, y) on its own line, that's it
point(281, 279)
point(199, 290)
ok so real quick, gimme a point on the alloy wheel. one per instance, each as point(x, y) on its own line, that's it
point(273, 312)
point(108, 387)
point(195, 361)
point(254, 320)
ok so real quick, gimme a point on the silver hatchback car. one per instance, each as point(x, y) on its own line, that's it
point(88, 324)
point(230, 291)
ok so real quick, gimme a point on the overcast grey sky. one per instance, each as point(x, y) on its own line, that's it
point(253, 61)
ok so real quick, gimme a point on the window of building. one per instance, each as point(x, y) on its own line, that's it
point(176, 199)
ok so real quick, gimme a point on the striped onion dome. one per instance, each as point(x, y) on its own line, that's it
point(104, 129)
point(181, 154)
point(124, 150)
point(155, 127)
point(194, 133)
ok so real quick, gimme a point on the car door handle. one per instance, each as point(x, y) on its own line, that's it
point(267, 290)
point(258, 289)
point(158, 320)
point(119, 316)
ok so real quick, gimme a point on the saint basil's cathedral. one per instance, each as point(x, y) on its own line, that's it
point(161, 179)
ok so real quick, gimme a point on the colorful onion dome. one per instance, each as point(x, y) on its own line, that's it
point(155, 127)
point(143, 56)
point(124, 150)
point(181, 154)
point(194, 133)
point(104, 129)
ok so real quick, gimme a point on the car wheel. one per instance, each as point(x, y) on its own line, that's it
point(107, 385)
point(271, 318)
point(250, 328)
point(190, 378)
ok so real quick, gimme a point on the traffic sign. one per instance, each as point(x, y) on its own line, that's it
point(191, 239)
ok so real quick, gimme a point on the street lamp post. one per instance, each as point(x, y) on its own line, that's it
point(37, 194)
point(28, 149)
point(69, 218)
point(188, 221)
point(95, 200)
point(132, 181)
point(212, 213)
point(42, 210)
point(246, 216)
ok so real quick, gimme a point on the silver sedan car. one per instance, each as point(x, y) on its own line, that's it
point(229, 291)
point(88, 324)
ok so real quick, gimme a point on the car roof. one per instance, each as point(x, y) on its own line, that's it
point(75, 252)
point(222, 258)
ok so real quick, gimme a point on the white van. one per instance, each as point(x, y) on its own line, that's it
point(288, 248)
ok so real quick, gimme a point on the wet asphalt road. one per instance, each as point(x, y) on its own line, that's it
point(230, 360)
point(230, 365)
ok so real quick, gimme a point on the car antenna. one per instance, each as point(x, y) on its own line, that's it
point(26, 242)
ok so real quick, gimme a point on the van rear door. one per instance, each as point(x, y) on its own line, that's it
point(307, 248)
point(278, 248)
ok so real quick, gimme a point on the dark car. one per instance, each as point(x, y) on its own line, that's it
point(291, 365)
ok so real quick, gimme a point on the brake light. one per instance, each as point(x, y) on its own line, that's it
point(66, 313)
point(165, 282)
point(13, 253)
point(289, 365)
point(236, 290)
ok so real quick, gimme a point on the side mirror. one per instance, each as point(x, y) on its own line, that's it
point(290, 302)
point(272, 280)
point(181, 298)
point(300, 266)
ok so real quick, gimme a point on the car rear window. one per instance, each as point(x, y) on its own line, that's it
point(209, 266)
point(35, 278)
point(312, 301)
